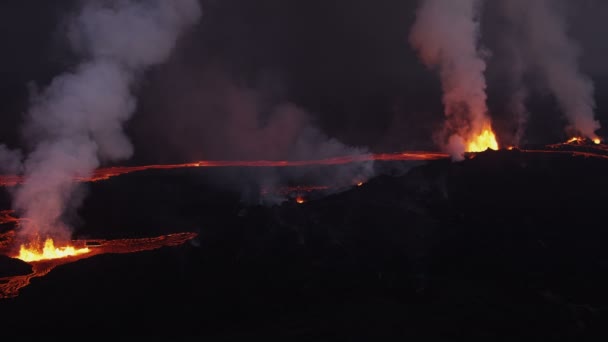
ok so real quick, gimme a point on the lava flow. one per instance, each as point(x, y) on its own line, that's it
point(106, 173)
point(10, 286)
point(44, 257)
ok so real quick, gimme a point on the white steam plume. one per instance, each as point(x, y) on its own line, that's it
point(516, 69)
point(76, 122)
point(446, 34)
point(549, 49)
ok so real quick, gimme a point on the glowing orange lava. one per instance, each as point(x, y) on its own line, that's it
point(575, 140)
point(106, 173)
point(580, 140)
point(300, 200)
point(485, 140)
point(36, 252)
point(10, 286)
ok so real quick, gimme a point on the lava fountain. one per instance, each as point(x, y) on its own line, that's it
point(36, 251)
point(483, 141)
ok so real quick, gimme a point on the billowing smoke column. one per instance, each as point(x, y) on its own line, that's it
point(446, 34)
point(76, 122)
point(546, 47)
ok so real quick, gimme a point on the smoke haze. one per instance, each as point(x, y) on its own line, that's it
point(213, 116)
point(76, 122)
point(542, 41)
point(347, 83)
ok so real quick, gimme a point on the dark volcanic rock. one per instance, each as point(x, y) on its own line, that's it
point(13, 267)
point(504, 246)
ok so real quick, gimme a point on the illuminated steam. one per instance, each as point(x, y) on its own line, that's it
point(76, 122)
point(445, 35)
point(544, 43)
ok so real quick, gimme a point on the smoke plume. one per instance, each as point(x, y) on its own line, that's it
point(515, 69)
point(445, 35)
point(216, 117)
point(544, 42)
point(76, 122)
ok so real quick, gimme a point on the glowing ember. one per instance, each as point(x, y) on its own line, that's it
point(485, 140)
point(580, 140)
point(299, 200)
point(360, 183)
point(574, 140)
point(48, 251)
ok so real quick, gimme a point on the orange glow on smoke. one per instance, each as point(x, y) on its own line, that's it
point(47, 251)
point(485, 140)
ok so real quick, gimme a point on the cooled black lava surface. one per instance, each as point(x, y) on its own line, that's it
point(12, 267)
point(504, 246)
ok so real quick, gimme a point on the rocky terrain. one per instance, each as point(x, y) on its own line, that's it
point(502, 246)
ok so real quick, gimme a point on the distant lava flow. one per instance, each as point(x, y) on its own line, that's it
point(46, 258)
point(105, 173)
point(575, 146)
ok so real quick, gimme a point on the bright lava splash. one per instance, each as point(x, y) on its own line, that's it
point(36, 252)
point(485, 140)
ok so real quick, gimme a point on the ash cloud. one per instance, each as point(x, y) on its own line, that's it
point(446, 37)
point(540, 37)
point(76, 122)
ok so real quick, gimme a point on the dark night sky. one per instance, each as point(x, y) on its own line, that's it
point(347, 63)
